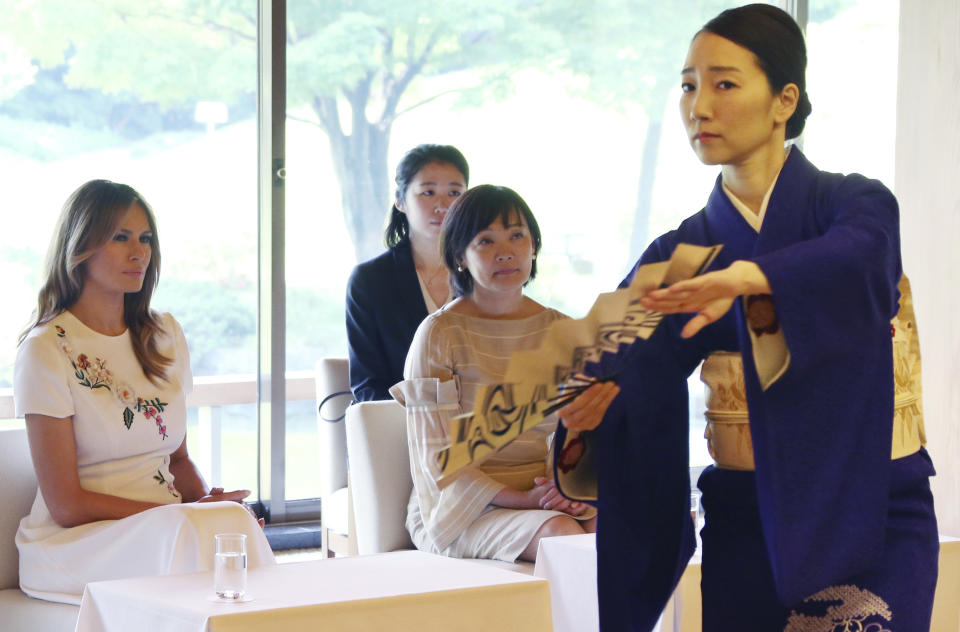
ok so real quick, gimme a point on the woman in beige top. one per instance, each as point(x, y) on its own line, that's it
point(501, 508)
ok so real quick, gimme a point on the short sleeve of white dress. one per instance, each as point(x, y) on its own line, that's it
point(181, 353)
point(41, 377)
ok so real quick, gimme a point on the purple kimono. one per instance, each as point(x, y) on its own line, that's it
point(826, 506)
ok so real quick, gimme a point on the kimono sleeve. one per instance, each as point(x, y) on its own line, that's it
point(844, 278)
point(41, 377)
point(822, 432)
point(645, 537)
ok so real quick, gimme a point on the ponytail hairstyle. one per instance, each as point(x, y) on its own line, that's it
point(88, 221)
point(398, 229)
point(776, 41)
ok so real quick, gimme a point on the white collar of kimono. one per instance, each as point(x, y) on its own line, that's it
point(755, 220)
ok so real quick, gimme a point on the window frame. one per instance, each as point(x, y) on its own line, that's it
point(271, 286)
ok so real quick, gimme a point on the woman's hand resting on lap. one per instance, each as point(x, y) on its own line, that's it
point(549, 497)
point(217, 494)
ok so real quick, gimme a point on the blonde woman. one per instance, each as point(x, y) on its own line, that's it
point(101, 381)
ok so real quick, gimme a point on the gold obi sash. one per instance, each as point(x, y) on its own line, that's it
point(728, 427)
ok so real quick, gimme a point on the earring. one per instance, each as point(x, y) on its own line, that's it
point(459, 268)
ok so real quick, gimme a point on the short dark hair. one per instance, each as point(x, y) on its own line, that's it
point(473, 212)
point(398, 228)
point(776, 40)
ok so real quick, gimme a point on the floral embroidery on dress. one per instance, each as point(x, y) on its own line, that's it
point(151, 409)
point(853, 608)
point(162, 481)
point(94, 374)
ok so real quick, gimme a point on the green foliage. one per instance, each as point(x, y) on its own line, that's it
point(219, 323)
point(380, 47)
point(87, 118)
point(630, 51)
point(324, 57)
point(311, 317)
point(357, 64)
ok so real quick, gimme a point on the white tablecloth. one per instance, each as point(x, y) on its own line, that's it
point(569, 563)
point(403, 590)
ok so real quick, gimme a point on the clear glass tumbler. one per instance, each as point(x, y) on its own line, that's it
point(230, 566)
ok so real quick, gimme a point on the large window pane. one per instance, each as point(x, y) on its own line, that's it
point(159, 95)
point(852, 81)
point(572, 104)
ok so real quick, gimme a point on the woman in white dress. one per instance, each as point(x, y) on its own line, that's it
point(501, 508)
point(101, 380)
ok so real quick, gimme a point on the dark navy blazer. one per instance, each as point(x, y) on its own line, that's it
point(384, 308)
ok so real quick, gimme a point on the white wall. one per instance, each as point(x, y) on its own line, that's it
point(928, 187)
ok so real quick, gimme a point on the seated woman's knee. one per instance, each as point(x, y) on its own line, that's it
point(560, 525)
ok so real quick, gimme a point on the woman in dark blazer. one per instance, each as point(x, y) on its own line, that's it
point(388, 296)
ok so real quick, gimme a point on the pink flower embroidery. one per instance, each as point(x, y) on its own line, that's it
point(151, 409)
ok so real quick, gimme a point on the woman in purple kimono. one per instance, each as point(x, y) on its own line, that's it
point(819, 515)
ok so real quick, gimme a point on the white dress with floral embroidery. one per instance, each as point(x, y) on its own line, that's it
point(125, 428)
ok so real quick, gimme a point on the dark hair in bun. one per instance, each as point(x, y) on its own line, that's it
point(777, 42)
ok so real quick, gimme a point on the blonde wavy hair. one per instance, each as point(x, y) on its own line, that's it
point(89, 219)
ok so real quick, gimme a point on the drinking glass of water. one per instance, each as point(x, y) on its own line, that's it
point(230, 566)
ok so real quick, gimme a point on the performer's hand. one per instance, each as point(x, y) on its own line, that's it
point(709, 295)
point(587, 410)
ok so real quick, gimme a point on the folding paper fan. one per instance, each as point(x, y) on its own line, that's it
point(573, 355)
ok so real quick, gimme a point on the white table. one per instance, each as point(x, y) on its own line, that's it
point(569, 563)
point(403, 590)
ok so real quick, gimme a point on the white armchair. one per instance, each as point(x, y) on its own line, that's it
point(333, 396)
point(18, 488)
point(380, 475)
point(380, 480)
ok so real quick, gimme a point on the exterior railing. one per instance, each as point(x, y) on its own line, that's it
point(210, 394)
